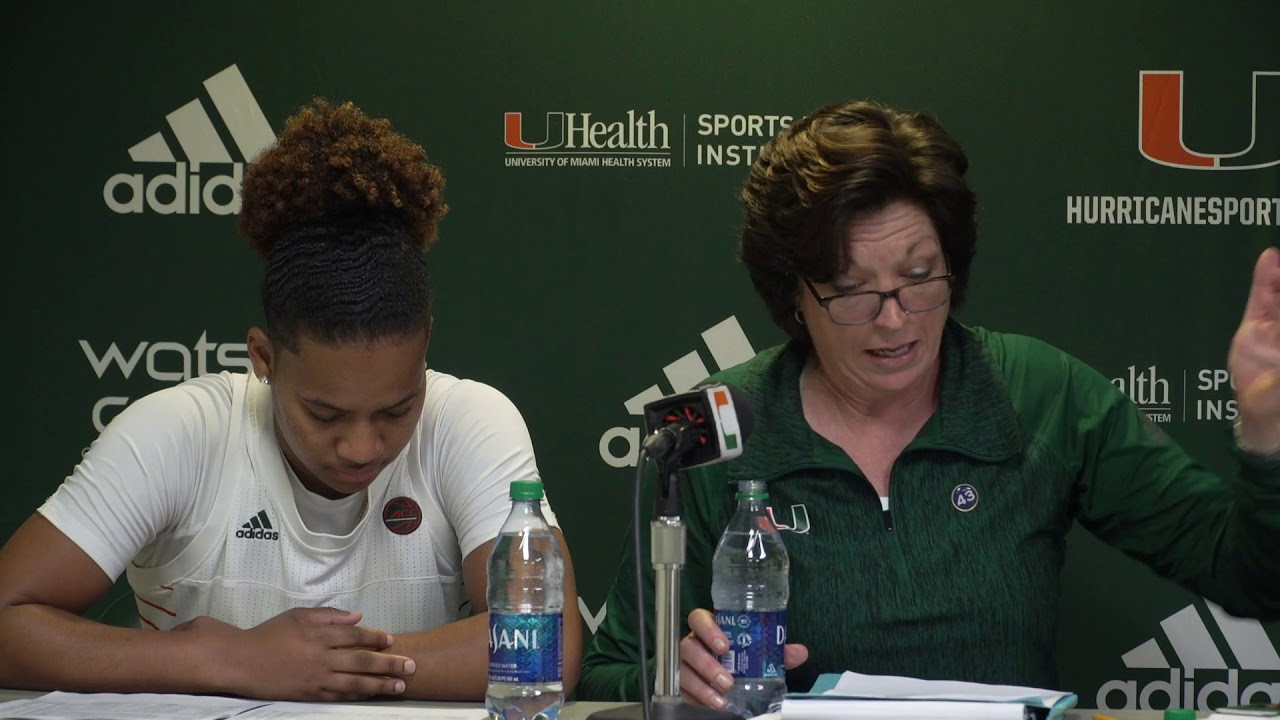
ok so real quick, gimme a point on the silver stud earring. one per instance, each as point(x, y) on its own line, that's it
point(264, 379)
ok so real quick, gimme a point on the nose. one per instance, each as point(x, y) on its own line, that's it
point(360, 445)
point(891, 313)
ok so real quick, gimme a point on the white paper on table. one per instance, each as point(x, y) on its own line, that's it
point(894, 686)
point(816, 708)
point(327, 711)
point(131, 706)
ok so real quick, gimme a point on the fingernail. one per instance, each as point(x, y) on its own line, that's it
point(722, 646)
point(399, 686)
point(410, 666)
point(724, 681)
point(390, 639)
point(718, 702)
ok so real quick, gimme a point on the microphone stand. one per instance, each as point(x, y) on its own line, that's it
point(667, 552)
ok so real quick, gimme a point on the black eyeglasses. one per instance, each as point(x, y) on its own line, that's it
point(863, 306)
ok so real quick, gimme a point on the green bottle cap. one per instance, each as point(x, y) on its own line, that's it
point(1179, 714)
point(526, 490)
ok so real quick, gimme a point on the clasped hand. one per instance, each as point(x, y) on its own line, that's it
point(307, 654)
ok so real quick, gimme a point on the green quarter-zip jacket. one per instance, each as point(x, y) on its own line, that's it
point(959, 579)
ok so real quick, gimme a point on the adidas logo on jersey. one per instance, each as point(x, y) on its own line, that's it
point(182, 191)
point(258, 528)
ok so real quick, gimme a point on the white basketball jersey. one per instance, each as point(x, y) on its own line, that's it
point(254, 558)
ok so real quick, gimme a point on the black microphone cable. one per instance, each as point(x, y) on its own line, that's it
point(640, 606)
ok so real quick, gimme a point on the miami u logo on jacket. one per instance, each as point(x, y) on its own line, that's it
point(799, 519)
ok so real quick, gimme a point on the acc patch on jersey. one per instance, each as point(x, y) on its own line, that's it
point(402, 515)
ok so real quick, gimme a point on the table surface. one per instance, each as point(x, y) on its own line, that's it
point(580, 710)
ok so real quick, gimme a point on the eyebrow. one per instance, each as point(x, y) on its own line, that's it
point(335, 408)
point(906, 256)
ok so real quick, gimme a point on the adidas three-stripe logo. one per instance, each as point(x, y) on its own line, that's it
point(197, 140)
point(728, 345)
point(1195, 648)
point(1209, 669)
point(195, 133)
point(258, 528)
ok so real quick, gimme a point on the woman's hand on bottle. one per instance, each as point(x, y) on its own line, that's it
point(703, 680)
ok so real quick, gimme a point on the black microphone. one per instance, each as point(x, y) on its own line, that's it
point(706, 425)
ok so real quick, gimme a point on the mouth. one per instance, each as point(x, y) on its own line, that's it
point(892, 353)
point(358, 476)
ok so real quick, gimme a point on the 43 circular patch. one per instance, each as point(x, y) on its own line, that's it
point(964, 497)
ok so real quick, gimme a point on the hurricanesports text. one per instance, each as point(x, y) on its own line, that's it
point(1167, 210)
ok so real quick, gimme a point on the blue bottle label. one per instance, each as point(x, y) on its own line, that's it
point(525, 648)
point(755, 642)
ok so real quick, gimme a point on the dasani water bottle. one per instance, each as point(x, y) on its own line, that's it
point(526, 601)
point(749, 589)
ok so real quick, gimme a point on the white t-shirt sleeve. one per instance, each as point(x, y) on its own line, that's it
point(481, 445)
point(138, 479)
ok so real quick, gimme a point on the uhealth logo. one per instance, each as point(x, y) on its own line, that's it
point(728, 345)
point(1148, 391)
point(1218, 683)
point(578, 131)
point(572, 139)
point(1161, 125)
point(182, 191)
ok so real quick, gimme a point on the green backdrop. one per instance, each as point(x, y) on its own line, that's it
point(576, 285)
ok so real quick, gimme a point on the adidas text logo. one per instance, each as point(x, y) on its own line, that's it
point(258, 528)
point(1248, 649)
point(183, 191)
point(728, 345)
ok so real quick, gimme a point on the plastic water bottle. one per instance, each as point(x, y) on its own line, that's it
point(526, 601)
point(749, 589)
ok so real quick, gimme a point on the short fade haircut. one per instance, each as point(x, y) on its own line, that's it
point(840, 162)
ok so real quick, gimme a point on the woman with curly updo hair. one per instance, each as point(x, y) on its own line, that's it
point(318, 530)
point(926, 472)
